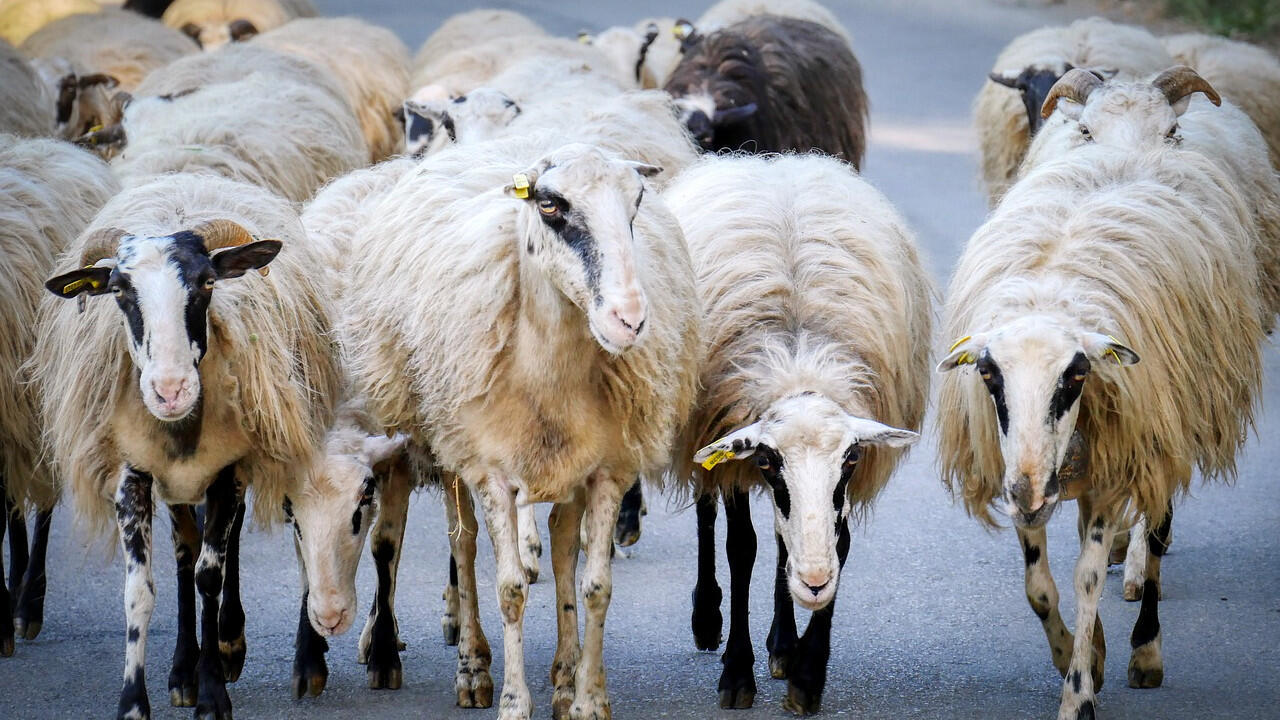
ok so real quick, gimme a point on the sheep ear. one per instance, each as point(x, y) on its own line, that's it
point(964, 351)
point(91, 280)
point(733, 115)
point(736, 445)
point(645, 169)
point(233, 262)
point(870, 432)
point(1007, 78)
point(379, 448)
point(421, 123)
point(1101, 347)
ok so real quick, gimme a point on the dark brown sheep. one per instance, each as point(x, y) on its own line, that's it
point(773, 84)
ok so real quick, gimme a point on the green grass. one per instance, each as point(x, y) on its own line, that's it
point(1254, 18)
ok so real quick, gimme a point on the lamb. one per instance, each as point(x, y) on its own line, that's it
point(211, 384)
point(1006, 112)
point(475, 27)
point(245, 112)
point(451, 362)
point(49, 191)
point(214, 23)
point(817, 317)
point(1084, 256)
point(370, 64)
point(93, 55)
point(20, 18)
point(1247, 75)
point(26, 109)
point(773, 84)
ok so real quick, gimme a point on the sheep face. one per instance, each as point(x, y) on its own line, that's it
point(216, 33)
point(430, 126)
point(807, 449)
point(1033, 85)
point(718, 87)
point(331, 518)
point(578, 220)
point(1035, 370)
point(163, 287)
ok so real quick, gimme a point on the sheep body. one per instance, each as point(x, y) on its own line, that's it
point(19, 19)
point(209, 21)
point(650, 62)
point(475, 65)
point(1245, 74)
point(730, 12)
point(49, 191)
point(466, 29)
point(999, 113)
point(370, 64)
point(119, 43)
point(26, 107)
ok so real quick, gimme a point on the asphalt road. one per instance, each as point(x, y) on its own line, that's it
point(931, 621)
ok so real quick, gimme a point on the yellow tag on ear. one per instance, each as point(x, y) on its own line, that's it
point(95, 128)
point(521, 186)
point(585, 38)
point(681, 31)
point(1111, 351)
point(74, 286)
point(959, 342)
point(716, 458)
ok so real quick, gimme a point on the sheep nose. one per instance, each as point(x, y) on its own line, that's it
point(1025, 496)
point(631, 313)
point(816, 582)
point(331, 619)
point(169, 390)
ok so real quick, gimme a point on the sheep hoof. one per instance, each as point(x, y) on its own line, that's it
point(706, 618)
point(389, 678)
point(214, 703)
point(231, 653)
point(183, 685)
point(1132, 591)
point(27, 630)
point(6, 646)
point(531, 572)
point(801, 702)
point(778, 666)
point(449, 626)
point(591, 711)
point(737, 688)
point(475, 690)
point(309, 683)
point(1145, 678)
point(183, 696)
point(561, 702)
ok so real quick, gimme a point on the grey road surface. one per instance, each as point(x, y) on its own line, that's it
point(931, 621)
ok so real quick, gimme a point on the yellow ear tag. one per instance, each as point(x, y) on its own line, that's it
point(521, 186)
point(959, 342)
point(1111, 351)
point(965, 357)
point(716, 458)
point(95, 128)
point(585, 38)
point(681, 31)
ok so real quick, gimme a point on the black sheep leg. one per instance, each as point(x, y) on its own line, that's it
point(738, 680)
point(6, 617)
point(221, 502)
point(808, 667)
point(28, 616)
point(310, 671)
point(185, 532)
point(706, 619)
point(782, 633)
point(231, 644)
point(627, 531)
point(17, 550)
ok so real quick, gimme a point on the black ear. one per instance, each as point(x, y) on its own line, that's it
point(1008, 82)
point(732, 115)
point(236, 261)
point(241, 29)
point(192, 31)
point(91, 280)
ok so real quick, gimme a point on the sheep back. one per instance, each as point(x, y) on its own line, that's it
point(26, 108)
point(474, 27)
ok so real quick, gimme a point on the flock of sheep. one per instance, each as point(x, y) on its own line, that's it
point(524, 269)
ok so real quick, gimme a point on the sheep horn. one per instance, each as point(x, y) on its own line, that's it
point(101, 245)
point(1180, 81)
point(1075, 85)
point(223, 234)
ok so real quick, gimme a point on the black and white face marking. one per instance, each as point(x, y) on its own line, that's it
point(807, 450)
point(431, 125)
point(1033, 85)
point(580, 231)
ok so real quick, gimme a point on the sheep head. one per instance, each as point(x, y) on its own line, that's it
point(719, 87)
point(1035, 370)
point(163, 287)
point(807, 449)
point(578, 227)
point(1033, 85)
point(431, 125)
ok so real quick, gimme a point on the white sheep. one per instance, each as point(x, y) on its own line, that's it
point(1084, 256)
point(473, 27)
point(244, 112)
point(1006, 111)
point(49, 191)
point(194, 384)
point(431, 125)
point(543, 345)
point(730, 12)
point(26, 107)
point(369, 62)
point(20, 18)
point(1245, 74)
point(215, 23)
point(647, 51)
point(817, 316)
point(467, 68)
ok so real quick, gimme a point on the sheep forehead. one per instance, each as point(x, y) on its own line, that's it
point(1130, 103)
point(584, 171)
point(142, 253)
point(1034, 347)
point(805, 424)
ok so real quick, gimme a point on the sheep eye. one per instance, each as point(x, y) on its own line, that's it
point(208, 283)
point(117, 290)
point(852, 457)
point(986, 376)
point(1085, 132)
point(762, 461)
point(1173, 131)
point(1078, 377)
point(548, 207)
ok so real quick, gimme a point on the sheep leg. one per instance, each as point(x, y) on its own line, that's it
point(392, 518)
point(472, 682)
point(1042, 595)
point(530, 542)
point(782, 633)
point(133, 516)
point(6, 618)
point(591, 694)
point(563, 523)
point(384, 670)
point(185, 534)
point(29, 617)
point(499, 500)
point(17, 549)
point(1084, 675)
point(1146, 665)
point(808, 667)
point(231, 646)
point(737, 680)
point(627, 531)
point(706, 619)
point(222, 503)
point(310, 671)
point(449, 620)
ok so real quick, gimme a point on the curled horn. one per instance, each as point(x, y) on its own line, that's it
point(101, 245)
point(1075, 85)
point(1180, 81)
point(219, 234)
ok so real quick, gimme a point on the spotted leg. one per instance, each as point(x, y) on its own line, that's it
point(706, 618)
point(231, 646)
point(1042, 595)
point(530, 542)
point(133, 516)
point(627, 532)
point(222, 502)
point(1135, 561)
point(1084, 675)
point(807, 676)
point(590, 686)
point(449, 620)
point(782, 633)
point(29, 614)
point(563, 523)
point(185, 533)
point(384, 669)
point(472, 681)
point(498, 498)
point(737, 680)
point(6, 618)
point(1146, 665)
point(310, 670)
